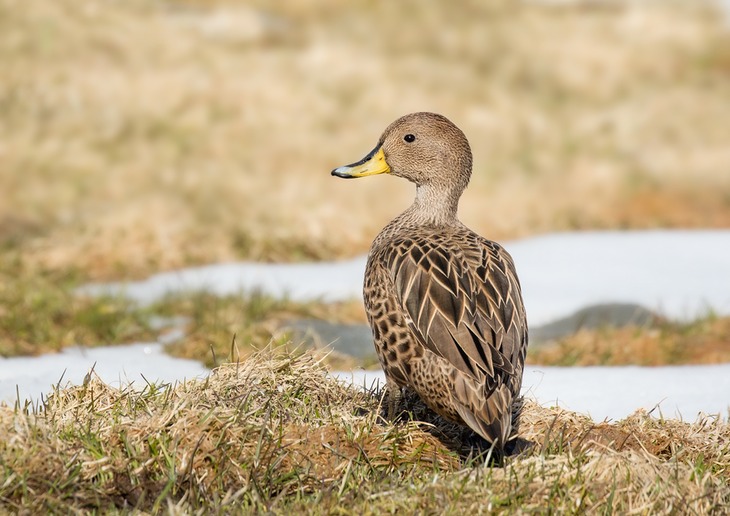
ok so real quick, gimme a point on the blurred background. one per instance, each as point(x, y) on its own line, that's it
point(143, 136)
point(137, 136)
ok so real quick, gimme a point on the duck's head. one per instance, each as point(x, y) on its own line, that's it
point(425, 148)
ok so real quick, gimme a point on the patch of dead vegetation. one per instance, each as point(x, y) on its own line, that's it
point(228, 328)
point(276, 433)
point(41, 314)
point(705, 341)
point(141, 136)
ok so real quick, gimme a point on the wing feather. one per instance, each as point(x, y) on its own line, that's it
point(464, 304)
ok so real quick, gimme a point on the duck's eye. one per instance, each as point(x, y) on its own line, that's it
point(409, 138)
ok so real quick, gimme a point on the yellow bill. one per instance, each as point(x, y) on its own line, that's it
point(372, 164)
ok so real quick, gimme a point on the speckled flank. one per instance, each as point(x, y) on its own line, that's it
point(444, 304)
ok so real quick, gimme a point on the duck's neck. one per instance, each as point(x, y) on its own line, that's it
point(434, 206)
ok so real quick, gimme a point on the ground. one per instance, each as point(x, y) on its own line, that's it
point(275, 433)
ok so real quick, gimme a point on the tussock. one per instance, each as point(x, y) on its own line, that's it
point(705, 341)
point(275, 432)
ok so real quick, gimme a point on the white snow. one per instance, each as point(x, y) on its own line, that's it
point(328, 281)
point(29, 377)
point(680, 274)
point(615, 392)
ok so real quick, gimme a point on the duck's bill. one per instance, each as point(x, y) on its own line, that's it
point(372, 164)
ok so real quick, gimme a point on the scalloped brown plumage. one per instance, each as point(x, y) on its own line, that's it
point(444, 304)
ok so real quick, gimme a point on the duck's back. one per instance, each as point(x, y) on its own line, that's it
point(447, 316)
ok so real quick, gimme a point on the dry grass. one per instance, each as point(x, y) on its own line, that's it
point(275, 433)
point(137, 136)
point(705, 341)
point(230, 327)
point(40, 314)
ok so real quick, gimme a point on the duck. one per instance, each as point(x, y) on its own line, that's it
point(444, 304)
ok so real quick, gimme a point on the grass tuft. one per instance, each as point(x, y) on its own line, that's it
point(275, 433)
point(704, 341)
point(39, 314)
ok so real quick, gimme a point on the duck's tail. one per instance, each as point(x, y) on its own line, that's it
point(490, 416)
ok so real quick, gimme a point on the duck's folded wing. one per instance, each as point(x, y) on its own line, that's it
point(464, 305)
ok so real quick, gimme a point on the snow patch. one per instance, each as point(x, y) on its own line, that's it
point(613, 393)
point(679, 274)
point(28, 377)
